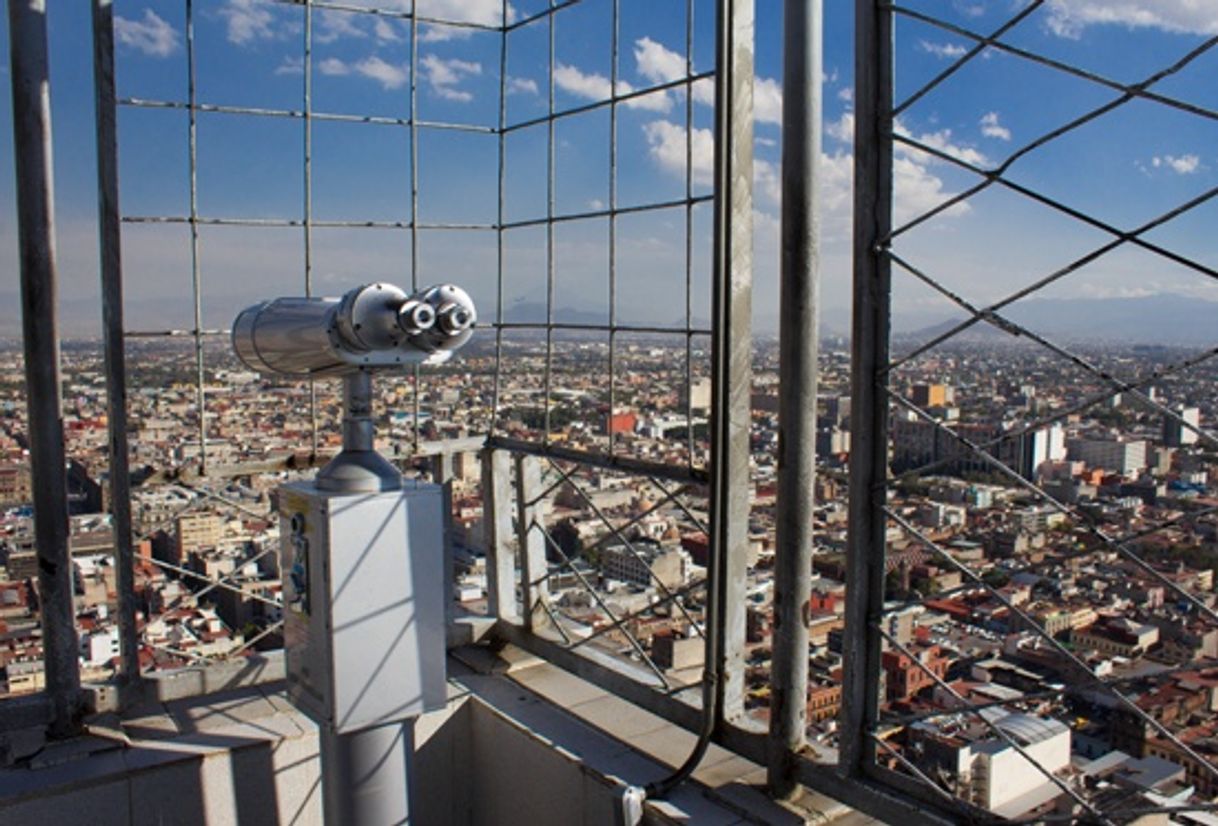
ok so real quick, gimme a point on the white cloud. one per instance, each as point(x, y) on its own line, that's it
point(759, 140)
point(592, 86)
point(334, 25)
point(247, 21)
point(991, 128)
point(660, 64)
point(151, 35)
point(1180, 164)
point(942, 141)
point(704, 91)
point(444, 76)
point(767, 182)
point(571, 79)
point(290, 66)
point(767, 100)
point(846, 93)
point(666, 143)
point(843, 128)
point(386, 31)
point(916, 189)
point(656, 62)
point(390, 76)
point(947, 51)
point(521, 85)
point(1068, 18)
point(480, 12)
point(333, 67)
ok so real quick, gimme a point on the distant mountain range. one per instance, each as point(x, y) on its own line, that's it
point(1156, 319)
point(1153, 319)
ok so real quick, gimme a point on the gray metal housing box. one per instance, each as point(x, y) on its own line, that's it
point(364, 635)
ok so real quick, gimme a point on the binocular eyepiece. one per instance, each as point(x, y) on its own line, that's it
point(376, 326)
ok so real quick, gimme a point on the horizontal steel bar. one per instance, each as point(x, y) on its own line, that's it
point(533, 18)
point(620, 464)
point(609, 213)
point(507, 325)
point(299, 222)
point(410, 225)
point(174, 333)
point(615, 100)
point(601, 328)
point(397, 13)
point(337, 117)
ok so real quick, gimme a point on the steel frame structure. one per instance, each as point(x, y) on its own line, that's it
point(729, 334)
point(874, 398)
point(514, 468)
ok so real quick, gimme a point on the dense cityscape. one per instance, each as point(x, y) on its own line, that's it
point(1022, 598)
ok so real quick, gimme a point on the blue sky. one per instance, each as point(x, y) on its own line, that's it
point(1126, 167)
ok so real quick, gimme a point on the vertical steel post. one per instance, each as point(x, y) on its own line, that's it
point(797, 364)
point(416, 373)
point(110, 237)
point(196, 273)
point(614, 57)
point(500, 201)
point(497, 533)
point(442, 475)
point(529, 539)
point(40, 331)
point(731, 343)
point(731, 381)
point(307, 115)
point(868, 382)
point(551, 272)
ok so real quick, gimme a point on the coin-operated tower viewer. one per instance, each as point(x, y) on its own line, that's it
point(362, 550)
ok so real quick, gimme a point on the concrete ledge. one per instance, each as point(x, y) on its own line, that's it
point(520, 743)
point(239, 757)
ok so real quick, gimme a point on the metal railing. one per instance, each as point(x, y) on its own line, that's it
point(718, 351)
point(702, 485)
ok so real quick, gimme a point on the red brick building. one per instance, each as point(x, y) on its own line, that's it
point(907, 678)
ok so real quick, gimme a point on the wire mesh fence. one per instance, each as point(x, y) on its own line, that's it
point(1010, 616)
point(1027, 625)
point(572, 358)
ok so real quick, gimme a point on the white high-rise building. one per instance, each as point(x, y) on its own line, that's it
point(1175, 434)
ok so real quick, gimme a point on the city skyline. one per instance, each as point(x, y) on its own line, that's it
point(248, 53)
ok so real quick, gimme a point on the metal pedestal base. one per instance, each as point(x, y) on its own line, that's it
point(366, 775)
